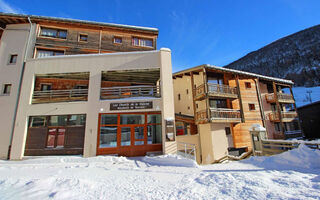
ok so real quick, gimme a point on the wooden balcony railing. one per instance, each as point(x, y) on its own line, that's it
point(130, 91)
point(216, 90)
point(286, 116)
point(218, 115)
point(282, 98)
point(51, 96)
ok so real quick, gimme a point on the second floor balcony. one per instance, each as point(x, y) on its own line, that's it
point(52, 96)
point(215, 90)
point(218, 115)
point(286, 116)
point(130, 91)
point(282, 98)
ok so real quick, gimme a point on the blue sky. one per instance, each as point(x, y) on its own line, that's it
point(198, 32)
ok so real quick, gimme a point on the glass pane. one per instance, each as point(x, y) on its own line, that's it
point(148, 43)
point(125, 136)
point(154, 134)
point(77, 120)
point(58, 53)
point(62, 34)
point(108, 137)
point(38, 121)
point(154, 119)
point(60, 139)
point(44, 53)
point(132, 119)
point(51, 137)
point(109, 119)
point(60, 120)
point(139, 143)
point(49, 32)
point(138, 133)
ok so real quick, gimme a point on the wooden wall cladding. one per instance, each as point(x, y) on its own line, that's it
point(72, 45)
point(36, 138)
point(59, 84)
point(74, 137)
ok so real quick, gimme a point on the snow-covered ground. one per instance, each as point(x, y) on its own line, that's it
point(291, 175)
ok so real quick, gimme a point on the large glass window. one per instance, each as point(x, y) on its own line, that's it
point(55, 33)
point(109, 119)
point(125, 136)
point(218, 103)
point(154, 134)
point(76, 120)
point(41, 53)
point(108, 136)
point(38, 121)
point(60, 120)
point(132, 119)
point(142, 42)
point(154, 118)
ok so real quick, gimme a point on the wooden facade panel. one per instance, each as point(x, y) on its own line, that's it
point(59, 84)
point(36, 138)
point(74, 137)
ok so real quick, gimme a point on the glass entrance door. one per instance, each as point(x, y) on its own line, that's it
point(133, 135)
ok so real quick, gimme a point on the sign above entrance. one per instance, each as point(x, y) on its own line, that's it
point(131, 105)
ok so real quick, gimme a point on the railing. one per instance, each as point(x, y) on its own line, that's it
point(216, 90)
point(293, 132)
point(187, 150)
point(281, 97)
point(130, 91)
point(274, 116)
point(48, 96)
point(224, 113)
point(218, 114)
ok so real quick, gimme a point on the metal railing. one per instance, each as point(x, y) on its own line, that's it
point(187, 150)
point(225, 113)
point(48, 96)
point(216, 89)
point(281, 97)
point(130, 91)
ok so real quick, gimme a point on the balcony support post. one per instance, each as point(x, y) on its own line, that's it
point(193, 95)
point(206, 94)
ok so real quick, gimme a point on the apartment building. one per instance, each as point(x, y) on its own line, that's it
point(215, 107)
point(80, 87)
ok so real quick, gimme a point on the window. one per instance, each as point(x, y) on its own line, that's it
point(218, 103)
point(187, 91)
point(142, 42)
point(41, 53)
point(108, 136)
point(197, 106)
point(277, 127)
point(54, 33)
point(45, 87)
point(132, 119)
point(248, 85)
point(59, 120)
point(38, 121)
point(179, 97)
point(13, 59)
point(252, 106)
point(228, 130)
point(6, 89)
point(188, 107)
point(154, 135)
point(117, 40)
point(83, 38)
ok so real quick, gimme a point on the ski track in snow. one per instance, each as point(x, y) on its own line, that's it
point(164, 177)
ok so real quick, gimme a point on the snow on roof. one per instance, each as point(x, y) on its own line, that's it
point(236, 72)
point(81, 21)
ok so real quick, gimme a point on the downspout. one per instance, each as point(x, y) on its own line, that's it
point(19, 87)
point(260, 102)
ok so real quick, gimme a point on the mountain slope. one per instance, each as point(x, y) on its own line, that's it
point(295, 57)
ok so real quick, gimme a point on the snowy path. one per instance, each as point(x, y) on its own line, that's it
point(166, 177)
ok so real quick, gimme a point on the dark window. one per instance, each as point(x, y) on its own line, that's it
point(54, 33)
point(38, 121)
point(117, 40)
point(248, 85)
point(83, 38)
point(252, 106)
point(228, 130)
point(197, 105)
point(13, 59)
point(188, 107)
point(187, 91)
point(109, 119)
point(218, 103)
point(270, 88)
point(179, 97)
point(7, 88)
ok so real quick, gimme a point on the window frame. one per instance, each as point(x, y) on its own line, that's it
point(140, 39)
point(53, 50)
point(117, 37)
point(5, 88)
point(252, 106)
point(83, 34)
point(11, 56)
point(248, 85)
point(57, 34)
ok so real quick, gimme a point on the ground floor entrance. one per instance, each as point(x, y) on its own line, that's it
point(129, 134)
point(55, 135)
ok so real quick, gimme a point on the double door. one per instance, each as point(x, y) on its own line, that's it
point(55, 137)
point(132, 136)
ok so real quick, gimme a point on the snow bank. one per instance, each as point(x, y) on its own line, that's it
point(170, 160)
point(300, 158)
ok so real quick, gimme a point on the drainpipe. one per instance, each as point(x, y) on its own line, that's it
point(260, 101)
point(19, 87)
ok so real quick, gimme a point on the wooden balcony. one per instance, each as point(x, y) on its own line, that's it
point(218, 115)
point(215, 90)
point(282, 98)
point(53, 96)
point(130, 91)
point(286, 116)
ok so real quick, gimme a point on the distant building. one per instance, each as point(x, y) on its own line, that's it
point(215, 107)
point(114, 98)
point(310, 120)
